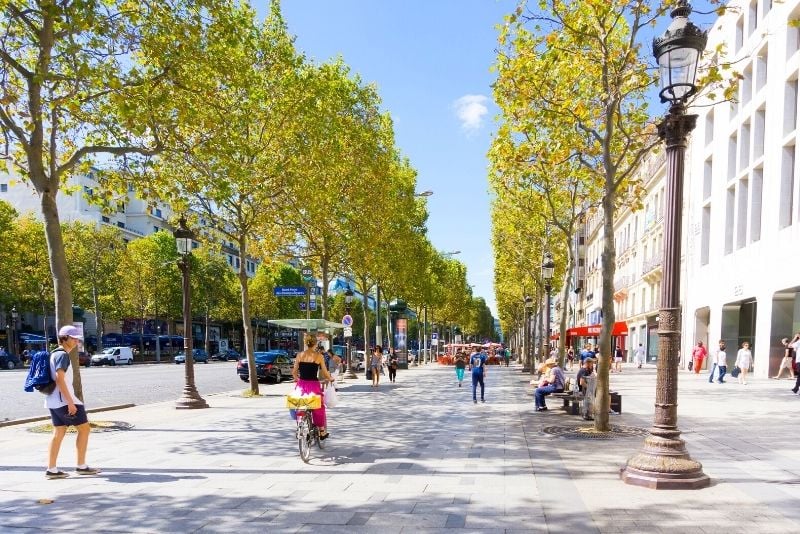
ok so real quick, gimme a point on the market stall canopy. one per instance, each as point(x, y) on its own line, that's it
point(316, 325)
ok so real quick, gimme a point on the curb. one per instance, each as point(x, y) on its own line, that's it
point(12, 422)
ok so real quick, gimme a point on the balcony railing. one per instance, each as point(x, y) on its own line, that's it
point(652, 264)
point(622, 282)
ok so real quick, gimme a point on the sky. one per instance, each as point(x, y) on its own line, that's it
point(430, 61)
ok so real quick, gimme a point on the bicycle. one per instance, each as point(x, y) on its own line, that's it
point(307, 432)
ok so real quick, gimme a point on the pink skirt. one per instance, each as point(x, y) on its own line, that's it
point(313, 386)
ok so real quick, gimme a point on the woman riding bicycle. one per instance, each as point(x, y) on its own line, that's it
point(307, 366)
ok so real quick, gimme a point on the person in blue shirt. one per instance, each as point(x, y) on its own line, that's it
point(477, 363)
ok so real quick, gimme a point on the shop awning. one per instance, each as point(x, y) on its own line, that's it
point(620, 329)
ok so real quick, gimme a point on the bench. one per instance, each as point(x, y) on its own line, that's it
point(572, 401)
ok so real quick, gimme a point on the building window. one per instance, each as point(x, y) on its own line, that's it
point(732, 149)
point(739, 34)
point(790, 107)
point(158, 212)
point(744, 138)
point(230, 260)
point(237, 263)
point(709, 126)
point(766, 5)
point(3, 188)
point(705, 236)
point(741, 215)
point(761, 69)
point(195, 245)
point(121, 224)
point(786, 201)
point(746, 86)
point(755, 204)
point(758, 133)
point(708, 171)
point(730, 205)
point(792, 36)
point(752, 17)
point(105, 219)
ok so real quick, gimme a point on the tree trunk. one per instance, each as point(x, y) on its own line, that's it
point(98, 318)
point(608, 265)
point(562, 327)
point(246, 326)
point(62, 289)
point(365, 298)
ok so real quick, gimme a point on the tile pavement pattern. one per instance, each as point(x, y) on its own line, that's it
point(415, 456)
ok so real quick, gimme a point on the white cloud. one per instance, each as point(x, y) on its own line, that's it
point(470, 110)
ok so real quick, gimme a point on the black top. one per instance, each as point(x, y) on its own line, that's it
point(308, 370)
point(460, 363)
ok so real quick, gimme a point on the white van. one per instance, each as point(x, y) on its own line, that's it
point(114, 356)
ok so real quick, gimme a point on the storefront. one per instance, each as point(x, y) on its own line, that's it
point(579, 336)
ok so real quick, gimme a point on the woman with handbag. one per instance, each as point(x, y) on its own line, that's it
point(744, 361)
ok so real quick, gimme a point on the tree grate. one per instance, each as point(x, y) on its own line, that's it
point(588, 432)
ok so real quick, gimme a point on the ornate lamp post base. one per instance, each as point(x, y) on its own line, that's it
point(664, 463)
point(190, 400)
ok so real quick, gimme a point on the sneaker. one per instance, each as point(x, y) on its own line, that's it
point(57, 474)
point(87, 471)
point(542, 409)
point(483, 400)
point(475, 401)
point(324, 436)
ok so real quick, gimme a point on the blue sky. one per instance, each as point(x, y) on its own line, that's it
point(430, 60)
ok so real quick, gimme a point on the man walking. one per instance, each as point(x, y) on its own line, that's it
point(65, 408)
point(721, 363)
point(477, 362)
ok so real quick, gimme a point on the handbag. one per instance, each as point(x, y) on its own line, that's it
point(330, 397)
point(691, 364)
point(369, 373)
point(736, 371)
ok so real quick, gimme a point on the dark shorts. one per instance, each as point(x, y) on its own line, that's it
point(61, 417)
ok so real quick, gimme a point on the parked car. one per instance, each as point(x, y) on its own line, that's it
point(84, 359)
point(9, 361)
point(270, 365)
point(198, 355)
point(227, 355)
point(114, 356)
point(357, 359)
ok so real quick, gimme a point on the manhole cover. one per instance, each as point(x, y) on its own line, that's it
point(97, 426)
point(588, 432)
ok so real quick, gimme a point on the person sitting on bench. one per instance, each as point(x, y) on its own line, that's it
point(553, 382)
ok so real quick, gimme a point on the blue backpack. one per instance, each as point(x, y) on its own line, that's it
point(39, 376)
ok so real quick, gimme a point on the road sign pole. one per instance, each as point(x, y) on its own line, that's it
point(308, 301)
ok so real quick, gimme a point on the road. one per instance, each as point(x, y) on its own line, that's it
point(105, 386)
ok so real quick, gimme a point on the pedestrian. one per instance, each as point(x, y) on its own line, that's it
point(720, 362)
point(638, 355)
point(308, 366)
point(393, 367)
point(787, 362)
point(66, 409)
point(571, 357)
point(744, 361)
point(618, 355)
point(507, 355)
point(552, 382)
point(477, 364)
point(333, 363)
point(699, 354)
point(376, 365)
point(461, 364)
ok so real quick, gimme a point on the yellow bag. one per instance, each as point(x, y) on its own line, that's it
point(310, 402)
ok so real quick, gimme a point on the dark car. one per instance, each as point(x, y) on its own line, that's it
point(227, 356)
point(84, 359)
point(198, 355)
point(9, 361)
point(271, 365)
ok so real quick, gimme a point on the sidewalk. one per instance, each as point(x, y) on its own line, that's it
point(415, 456)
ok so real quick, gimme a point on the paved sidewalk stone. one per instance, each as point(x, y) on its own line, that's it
point(415, 456)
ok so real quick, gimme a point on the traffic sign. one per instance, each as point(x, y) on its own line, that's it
point(434, 338)
point(347, 320)
point(290, 291)
point(312, 307)
point(307, 273)
point(348, 332)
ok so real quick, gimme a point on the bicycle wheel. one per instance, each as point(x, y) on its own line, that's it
point(304, 437)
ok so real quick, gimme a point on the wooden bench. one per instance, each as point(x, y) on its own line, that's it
point(572, 401)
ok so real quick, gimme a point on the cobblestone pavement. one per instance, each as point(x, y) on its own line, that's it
point(415, 456)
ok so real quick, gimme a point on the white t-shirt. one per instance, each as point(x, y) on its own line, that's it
point(59, 359)
point(721, 358)
point(639, 353)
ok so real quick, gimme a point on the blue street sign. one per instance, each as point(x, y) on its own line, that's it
point(313, 306)
point(290, 291)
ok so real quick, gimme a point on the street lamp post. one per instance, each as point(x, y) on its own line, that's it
point(527, 365)
point(348, 301)
point(190, 399)
point(664, 462)
point(13, 348)
point(547, 276)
